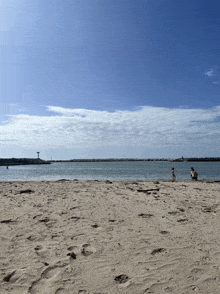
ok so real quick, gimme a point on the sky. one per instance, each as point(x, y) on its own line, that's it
point(109, 78)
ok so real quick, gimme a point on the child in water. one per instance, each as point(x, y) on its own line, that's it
point(172, 172)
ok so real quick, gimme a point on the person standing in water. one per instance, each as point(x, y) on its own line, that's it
point(172, 172)
point(193, 174)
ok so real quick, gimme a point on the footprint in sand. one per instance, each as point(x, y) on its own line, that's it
point(164, 232)
point(95, 226)
point(173, 212)
point(145, 215)
point(71, 248)
point(181, 209)
point(197, 271)
point(182, 220)
point(48, 277)
point(121, 279)
point(61, 291)
point(8, 277)
point(158, 250)
point(8, 221)
point(87, 250)
point(38, 247)
point(155, 288)
point(72, 255)
point(168, 289)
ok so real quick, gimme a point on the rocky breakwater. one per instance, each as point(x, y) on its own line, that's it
point(21, 161)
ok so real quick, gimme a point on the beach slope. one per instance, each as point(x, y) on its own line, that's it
point(109, 237)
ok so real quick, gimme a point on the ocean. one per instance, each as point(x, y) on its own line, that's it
point(127, 170)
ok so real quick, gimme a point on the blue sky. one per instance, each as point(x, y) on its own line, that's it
point(100, 79)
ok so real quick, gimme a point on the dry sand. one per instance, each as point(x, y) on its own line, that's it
point(102, 237)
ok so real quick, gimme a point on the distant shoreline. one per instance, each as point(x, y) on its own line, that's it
point(22, 161)
point(144, 159)
point(36, 161)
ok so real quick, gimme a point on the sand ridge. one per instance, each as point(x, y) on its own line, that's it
point(107, 237)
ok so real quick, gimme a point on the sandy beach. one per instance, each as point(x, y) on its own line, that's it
point(109, 237)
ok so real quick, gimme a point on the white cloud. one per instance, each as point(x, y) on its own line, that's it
point(209, 73)
point(146, 128)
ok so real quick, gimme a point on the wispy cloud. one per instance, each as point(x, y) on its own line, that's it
point(148, 127)
point(209, 73)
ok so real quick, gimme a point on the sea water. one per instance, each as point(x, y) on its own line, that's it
point(126, 170)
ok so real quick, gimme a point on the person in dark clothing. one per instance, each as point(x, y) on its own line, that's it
point(172, 172)
point(193, 174)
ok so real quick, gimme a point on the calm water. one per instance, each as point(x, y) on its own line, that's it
point(135, 170)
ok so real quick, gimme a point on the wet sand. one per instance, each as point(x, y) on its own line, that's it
point(109, 237)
